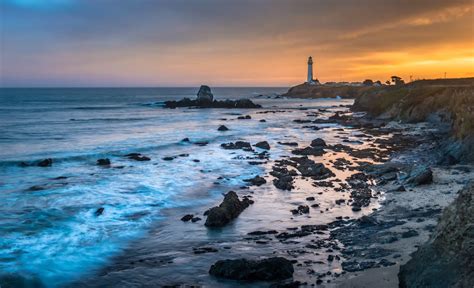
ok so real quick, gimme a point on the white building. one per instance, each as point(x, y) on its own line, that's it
point(310, 79)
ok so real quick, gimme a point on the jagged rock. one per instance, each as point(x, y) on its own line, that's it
point(204, 95)
point(103, 162)
point(229, 209)
point(222, 128)
point(263, 145)
point(446, 260)
point(257, 181)
point(45, 163)
point(275, 268)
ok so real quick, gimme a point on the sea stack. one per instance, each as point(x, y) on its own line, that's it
point(204, 95)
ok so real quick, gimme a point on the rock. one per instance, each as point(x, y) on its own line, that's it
point(204, 103)
point(137, 157)
point(313, 151)
point(222, 128)
point(187, 217)
point(288, 143)
point(310, 168)
point(310, 199)
point(302, 209)
point(246, 117)
point(237, 145)
point(420, 176)
point(99, 211)
point(45, 163)
point(446, 260)
point(257, 181)
point(168, 158)
point(259, 233)
point(263, 145)
point(204, 95)
point(318, 142)
point(103, 162)
point(229, 209)
point(195, 219)
point(262, 120)
point(356, 208)
point(270, 269)
point(284, 183)
point(36, 188)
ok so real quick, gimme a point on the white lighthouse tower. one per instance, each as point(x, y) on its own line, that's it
point(310, 79)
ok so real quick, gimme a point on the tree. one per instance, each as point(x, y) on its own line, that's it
point(368, 82)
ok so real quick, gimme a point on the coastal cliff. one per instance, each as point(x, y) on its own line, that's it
point(446, 103)
point(449, 250)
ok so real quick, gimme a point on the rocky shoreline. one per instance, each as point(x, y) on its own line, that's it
point(383, 181)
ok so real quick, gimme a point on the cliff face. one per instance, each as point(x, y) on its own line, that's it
point(447, 259)
point(451, 105)
point(320, 91)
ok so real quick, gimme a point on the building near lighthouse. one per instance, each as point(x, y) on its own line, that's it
point(310, 79)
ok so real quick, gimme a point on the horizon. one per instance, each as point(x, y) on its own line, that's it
point(69, 43)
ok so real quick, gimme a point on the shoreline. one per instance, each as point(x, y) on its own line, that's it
point(336, 226)
point(343, 277)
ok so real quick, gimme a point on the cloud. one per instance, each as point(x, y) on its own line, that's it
point(265, 42)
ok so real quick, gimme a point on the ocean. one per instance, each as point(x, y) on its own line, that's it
point(49, 229)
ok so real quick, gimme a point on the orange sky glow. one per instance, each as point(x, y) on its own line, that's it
point(252, 46)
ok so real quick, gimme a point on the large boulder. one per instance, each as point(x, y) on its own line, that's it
point(228, 210)
point(270, 269)
point(447, 259)
point(204, 95)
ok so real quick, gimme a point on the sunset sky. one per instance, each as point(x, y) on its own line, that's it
point(231, 43)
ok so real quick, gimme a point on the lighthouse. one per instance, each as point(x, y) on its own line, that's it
point(310, 79)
